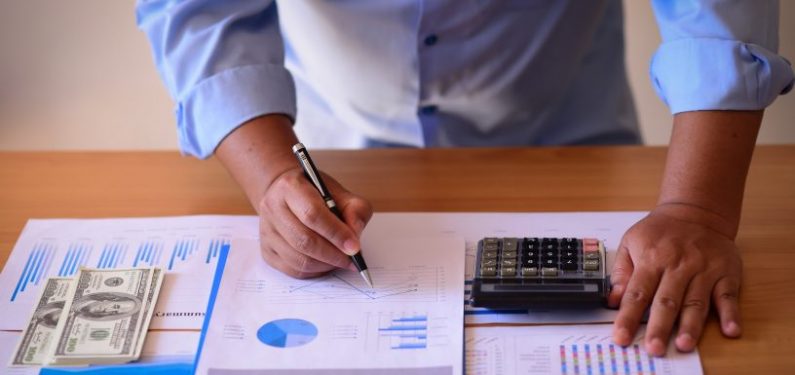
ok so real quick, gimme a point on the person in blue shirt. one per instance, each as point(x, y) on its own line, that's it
point(425, 73)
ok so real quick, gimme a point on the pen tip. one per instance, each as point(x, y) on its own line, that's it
point(367, 279)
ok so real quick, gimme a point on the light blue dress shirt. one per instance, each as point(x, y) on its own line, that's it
point(451, 72)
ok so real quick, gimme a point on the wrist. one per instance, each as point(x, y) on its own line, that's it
point(258, 152)
point(698, 214)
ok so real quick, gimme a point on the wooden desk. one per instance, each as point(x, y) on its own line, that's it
point(122, 184)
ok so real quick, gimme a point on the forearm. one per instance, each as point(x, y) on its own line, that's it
point(707, 164)
point(257, 152)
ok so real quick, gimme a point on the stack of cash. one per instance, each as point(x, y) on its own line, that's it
point(100, 316)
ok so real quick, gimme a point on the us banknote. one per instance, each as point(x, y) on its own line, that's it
point(103, 318)
point(38, 337)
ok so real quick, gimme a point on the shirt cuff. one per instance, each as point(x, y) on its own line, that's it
point(714, 74)
point(224, 101)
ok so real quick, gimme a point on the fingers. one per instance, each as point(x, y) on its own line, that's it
point(665, 309)
point(312, 212)
point(636, 299)
point(695, 307)
point(275, 261)
point(619, 277)
point(300, 239)
point(725, 296)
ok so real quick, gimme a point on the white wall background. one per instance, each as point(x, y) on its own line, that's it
point(78, 75)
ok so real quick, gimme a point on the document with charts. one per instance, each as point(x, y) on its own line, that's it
point(187, 248)
point(412, 321)
point(573, 349)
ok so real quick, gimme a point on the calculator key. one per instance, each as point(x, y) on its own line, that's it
point(509, 254)
point(509, 262)
point(490, 247)
point(549, 262)
point(590, 241)
point(529, 271)
point(590, 247)
point(532, 240)
point(489, 255)
point(531, 246)
point(488, 263)
point(569, 241)
point(530, 254)
point(569, 254)
point(510, 244)
point(488, 271)
point(568, 265)
point(530, 262)
point(546, 241)
point(549, 247)
point(590, 265)
point(490, 240)
point(508, 271)
point(549, 254)
point(549, 271)
point(591, 255)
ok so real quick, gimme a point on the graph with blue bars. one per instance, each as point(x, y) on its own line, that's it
point(64, 259)
point(408, 331)
point(37, 266)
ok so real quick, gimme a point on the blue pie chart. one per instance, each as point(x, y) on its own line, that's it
point(287, 333)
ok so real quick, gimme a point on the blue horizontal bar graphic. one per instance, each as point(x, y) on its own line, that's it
point(404, 328)
point(39, 265)
point(102, 256)
point(421, 337)
point(410, 346)
point(22, 277)
point(412, 319)
point(65, 261)
point(50, 253)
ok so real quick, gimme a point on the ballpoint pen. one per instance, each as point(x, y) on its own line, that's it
point(313, 176)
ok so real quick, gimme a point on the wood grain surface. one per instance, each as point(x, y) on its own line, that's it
point(129, 184)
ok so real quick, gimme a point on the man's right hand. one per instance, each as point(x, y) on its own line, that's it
point(298, 234)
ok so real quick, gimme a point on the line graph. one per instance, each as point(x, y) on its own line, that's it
point(408, 284)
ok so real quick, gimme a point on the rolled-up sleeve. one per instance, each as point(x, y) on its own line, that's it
point(222, 62)
point(719, 55)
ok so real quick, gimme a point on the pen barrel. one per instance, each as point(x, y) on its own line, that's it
point(358, 261)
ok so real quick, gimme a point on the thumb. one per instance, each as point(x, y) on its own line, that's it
point(619, 277)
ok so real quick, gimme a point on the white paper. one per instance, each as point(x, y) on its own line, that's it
point(184, 297)
point(412, 322)
point(580, 349)
point(606, 226)
point(186, 247)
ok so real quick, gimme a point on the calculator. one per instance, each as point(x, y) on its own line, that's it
point(540, 273)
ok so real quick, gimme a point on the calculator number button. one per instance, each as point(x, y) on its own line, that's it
point(590, 265)
point(488, 271)
point(508, 272)
point(509, 262)
point(568, 264)
point(549, 271)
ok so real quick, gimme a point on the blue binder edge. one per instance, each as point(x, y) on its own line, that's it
point(157, 368)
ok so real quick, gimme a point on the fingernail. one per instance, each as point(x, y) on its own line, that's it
point(732, 329)
point(685, 342)
point(621, 336)
point(656, 347)
point(351, 246)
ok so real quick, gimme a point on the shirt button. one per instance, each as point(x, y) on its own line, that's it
point(428, 109)
point(431, 40)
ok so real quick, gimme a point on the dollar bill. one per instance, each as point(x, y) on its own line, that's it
point(149, 308)
point(102, 319)
point(38, 337)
